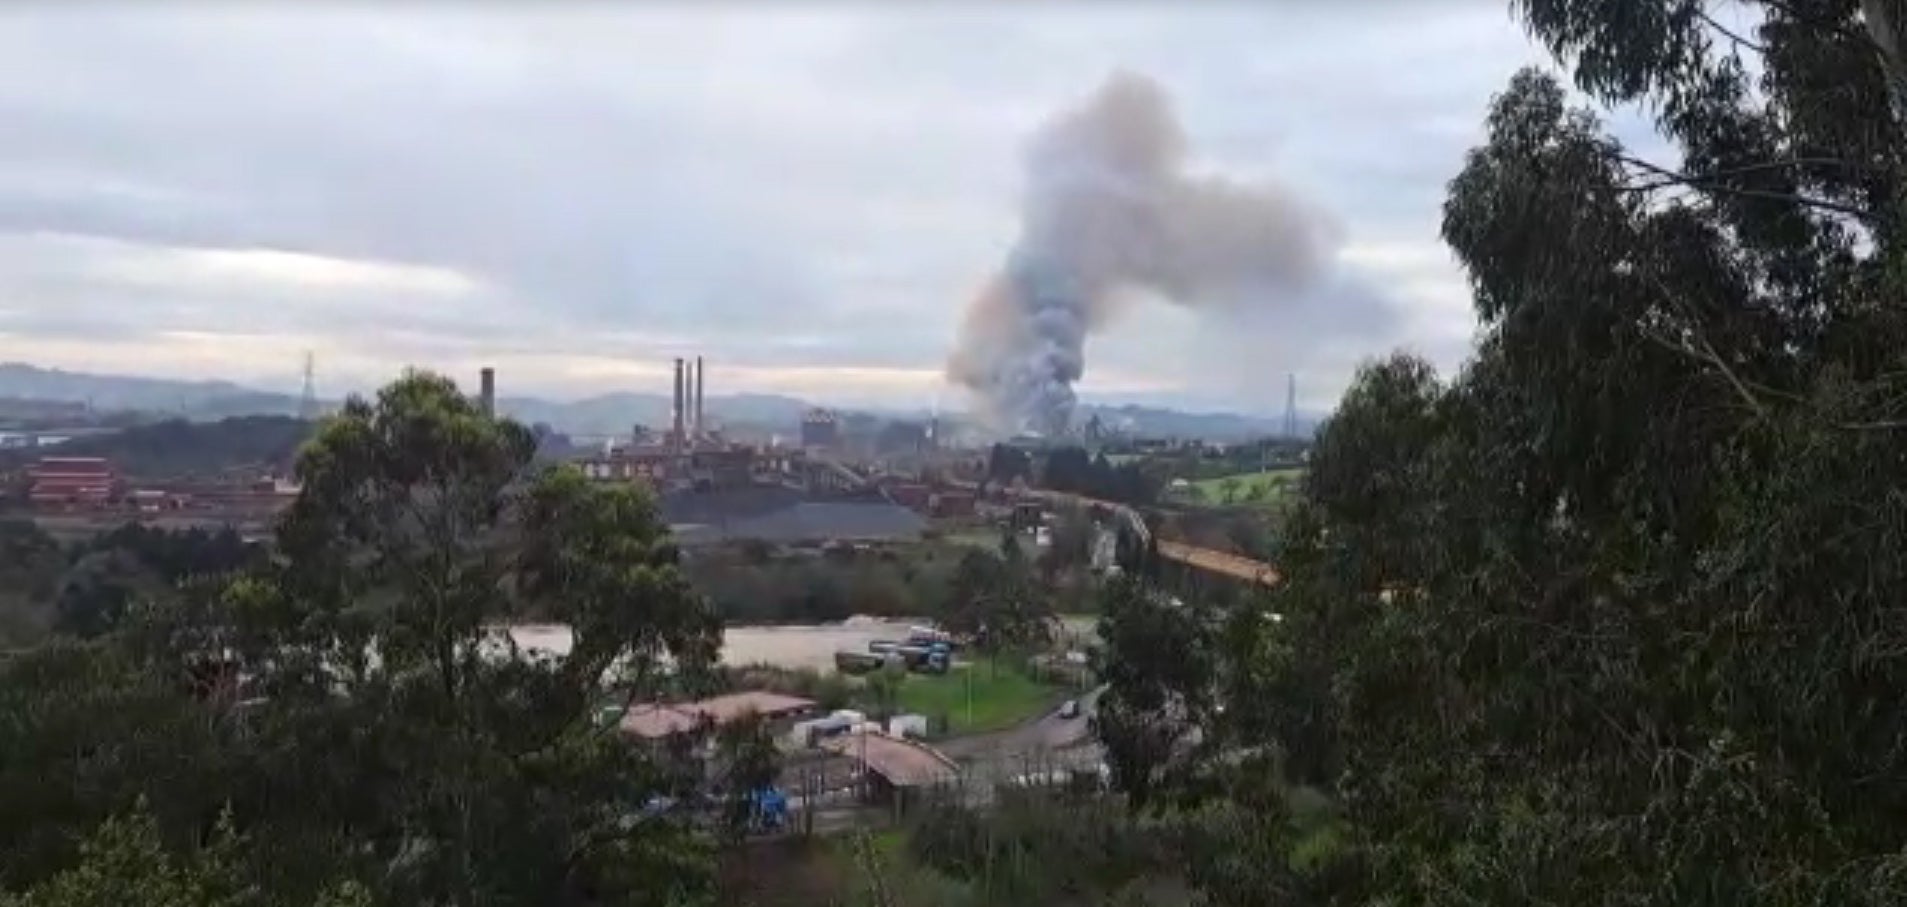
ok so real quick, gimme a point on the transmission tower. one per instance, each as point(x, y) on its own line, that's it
point(308, 400)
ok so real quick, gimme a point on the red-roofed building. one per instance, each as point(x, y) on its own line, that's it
point(655, 721)
point(72, 483)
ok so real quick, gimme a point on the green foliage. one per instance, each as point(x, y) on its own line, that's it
point(1070, 547)
point(1071, 469)
point(1035, 847)
point(883, 688)
point(1261, 488)
point(89, 588)
point(125, 862)
point(30, 566)
point(1156, 659)
point(472, 770)
point(100, 589)
point(747, 760)
point(750, 585)
point(391, 747)
point(87, 735)
point(996, 601)
point(1005, 464)
point(1608, 617)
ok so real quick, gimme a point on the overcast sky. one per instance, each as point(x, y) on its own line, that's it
point(806, 194)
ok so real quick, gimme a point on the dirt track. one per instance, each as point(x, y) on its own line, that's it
point(807, 646)
point(800, 646)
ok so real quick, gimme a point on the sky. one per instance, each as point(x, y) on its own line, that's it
point(805, 194)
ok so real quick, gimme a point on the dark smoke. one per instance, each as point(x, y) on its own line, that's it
point(1108, 211)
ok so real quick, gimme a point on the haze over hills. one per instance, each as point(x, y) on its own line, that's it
point(601, 414)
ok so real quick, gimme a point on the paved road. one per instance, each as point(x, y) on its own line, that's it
point(1041, 750)
point(1047, 732)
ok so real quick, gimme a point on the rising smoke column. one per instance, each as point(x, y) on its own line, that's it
point(1107, 213)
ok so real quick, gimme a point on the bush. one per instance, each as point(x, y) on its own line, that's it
point(1035, 846)
point(750, 585)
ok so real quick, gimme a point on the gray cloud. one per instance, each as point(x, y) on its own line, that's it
point(811, 187)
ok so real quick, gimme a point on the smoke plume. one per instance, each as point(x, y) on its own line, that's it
point(1108, 215)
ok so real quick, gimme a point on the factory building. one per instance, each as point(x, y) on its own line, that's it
point(903, 438)
point(653, 466)
point(722, 467)
point(690, 455)
point(820, 429)
point(72, 483)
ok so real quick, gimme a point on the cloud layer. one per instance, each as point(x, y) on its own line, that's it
point(577, 193)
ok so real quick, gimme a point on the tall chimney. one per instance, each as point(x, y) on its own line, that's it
point(487, 394)
point(678, 415)
point(701, 428)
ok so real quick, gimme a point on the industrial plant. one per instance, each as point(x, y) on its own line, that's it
point(714, 488)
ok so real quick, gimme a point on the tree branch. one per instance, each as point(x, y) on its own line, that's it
point(1708, 183)
point(1706, 353)
point(1887, 28)
point(1727, 33)
point(1882, 425)
point(1797, 17)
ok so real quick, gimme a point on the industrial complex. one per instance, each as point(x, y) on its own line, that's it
point(821, 487)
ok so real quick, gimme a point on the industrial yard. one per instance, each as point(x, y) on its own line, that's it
point(794, 647)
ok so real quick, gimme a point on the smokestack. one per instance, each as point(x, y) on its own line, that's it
point(487, 392)
point(678, 415)
point(1109, 208)
point(701, 428)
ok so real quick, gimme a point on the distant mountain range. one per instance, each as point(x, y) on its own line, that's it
point(604, 414)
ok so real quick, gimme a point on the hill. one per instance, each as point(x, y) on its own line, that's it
point(601, 414)
point(127, 392)
point(177, 447)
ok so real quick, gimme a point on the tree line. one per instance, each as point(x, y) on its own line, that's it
point(1072, 469)
point(86, 588)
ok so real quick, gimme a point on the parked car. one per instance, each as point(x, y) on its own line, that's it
point(1069, 709)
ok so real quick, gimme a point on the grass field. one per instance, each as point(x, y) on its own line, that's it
point(1269, 487)
point(1000, 697)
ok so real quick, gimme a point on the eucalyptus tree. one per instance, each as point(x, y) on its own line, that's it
point(1611, 615)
